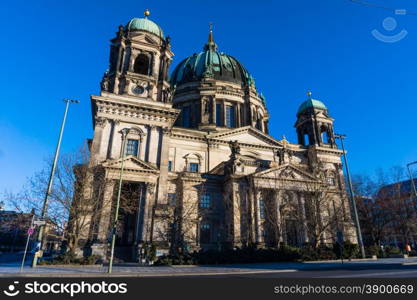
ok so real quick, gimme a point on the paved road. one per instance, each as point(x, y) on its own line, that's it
point(364, 268)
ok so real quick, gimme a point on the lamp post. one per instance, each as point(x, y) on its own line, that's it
point(51, 178)
point(341, 137)
point(412, 179)
point(125, 132)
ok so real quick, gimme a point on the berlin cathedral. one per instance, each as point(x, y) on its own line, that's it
point(192, 153)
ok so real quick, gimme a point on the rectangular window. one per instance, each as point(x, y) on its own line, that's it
point(230, 116)
point(132, 147)
point(205, 233)
point(205, 201)
point(172, 198)
point(218, 114)
point(193, 167)
point(186, 116)
point(170, 166)
point(261, 209)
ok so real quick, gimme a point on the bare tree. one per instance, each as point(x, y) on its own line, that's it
point(386, 206)
point(180, 217)
point(325, 213)
point(76, 196)
point(373, 216)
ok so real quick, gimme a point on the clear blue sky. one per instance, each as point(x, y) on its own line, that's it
point(55, 49)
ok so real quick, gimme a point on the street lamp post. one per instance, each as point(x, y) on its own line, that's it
point(51, 178)
point(125, 132)
point(341, 137)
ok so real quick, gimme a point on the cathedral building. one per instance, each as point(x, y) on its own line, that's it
point(194, 152)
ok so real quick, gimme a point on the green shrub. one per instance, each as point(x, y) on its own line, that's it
point(373, 250)
point(350, 250)
point(323, 252)
point(69, 258)
point(389, 250)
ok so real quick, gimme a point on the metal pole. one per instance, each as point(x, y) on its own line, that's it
point(51, 177)
point(27, 242)
point(116, 213)
point(352, 197)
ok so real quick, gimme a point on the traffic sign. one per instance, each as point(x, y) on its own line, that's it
point(39, 223)
point(30, 230)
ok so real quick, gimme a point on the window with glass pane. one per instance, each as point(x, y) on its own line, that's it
point(172, 198)
point(230, 116)
point(193, 167)
point(186, 117)
point(218, 114)
point(205, 201)
point(132, 147)
point(261, 209)
point(205, 233)
point(170, 166)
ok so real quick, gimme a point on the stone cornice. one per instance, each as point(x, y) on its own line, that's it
point(116, 109)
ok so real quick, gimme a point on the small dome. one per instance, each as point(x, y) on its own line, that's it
point(311, 103)
point(211, 64)
point(144, 24)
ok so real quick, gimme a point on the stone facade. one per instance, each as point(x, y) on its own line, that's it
point(199, 154)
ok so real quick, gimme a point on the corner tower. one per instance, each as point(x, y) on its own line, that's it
point(140, 56)
point(314, 125)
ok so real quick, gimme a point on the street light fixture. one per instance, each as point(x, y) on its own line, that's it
point(341, 137)
point(51, 177)
point(125, 132)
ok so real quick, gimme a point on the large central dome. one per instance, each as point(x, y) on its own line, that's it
point(211, 64)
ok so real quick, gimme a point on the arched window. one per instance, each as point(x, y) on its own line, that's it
point(141, 65)
point(324, 135)
point(306, 139)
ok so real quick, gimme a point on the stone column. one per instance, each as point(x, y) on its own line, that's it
point(105, 217)
point(100, 124)
point(257, 197)
point(147, 229)
point(213, 110)
point(253, 208)
point(148, 142)
point(153, 144)
point(112, 136)
point(139, 215)
point(301, 203)
point(142, 147)
point(163, 165)
point(237, 115)
point(224, 113)
point(280, 220)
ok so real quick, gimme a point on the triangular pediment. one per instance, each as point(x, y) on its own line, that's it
point(246, 135)
point(287, 171)
point(145, 38)
point(130, 163)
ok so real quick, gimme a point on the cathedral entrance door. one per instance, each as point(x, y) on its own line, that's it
point(130, 223)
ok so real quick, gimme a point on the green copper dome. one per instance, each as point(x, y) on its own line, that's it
point(311, 103)
point(144, 24)
point(211, 64)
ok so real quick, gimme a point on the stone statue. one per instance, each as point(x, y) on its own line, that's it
point(235, 148)
point(104, 84)
point(284, 154)
point(121, 31)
